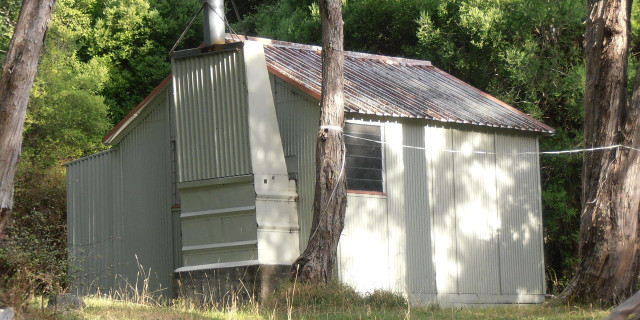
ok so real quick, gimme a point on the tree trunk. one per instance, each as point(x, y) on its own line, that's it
point(608, 270)
point(625, 309)
point(18, 72)
point(317, 262)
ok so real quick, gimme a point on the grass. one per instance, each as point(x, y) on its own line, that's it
point(103, 308)
point(332, 301)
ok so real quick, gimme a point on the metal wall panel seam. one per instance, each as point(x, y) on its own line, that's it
point(430, 183)
point(540, 232)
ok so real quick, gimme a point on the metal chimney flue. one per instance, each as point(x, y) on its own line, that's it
point(214, 22)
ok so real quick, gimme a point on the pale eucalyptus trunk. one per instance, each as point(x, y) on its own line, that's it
point(318, 260)
point(18, 72)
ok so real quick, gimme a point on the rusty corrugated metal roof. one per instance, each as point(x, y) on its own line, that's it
point(397, 87)
point(382, 85)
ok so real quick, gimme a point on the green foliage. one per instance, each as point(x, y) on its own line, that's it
point(288, 20)
point(381, 26)
point(33, 258)
point(134, 37)
point(9, 11)
point(67, 114)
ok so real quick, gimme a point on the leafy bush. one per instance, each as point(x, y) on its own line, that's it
point(33, 257)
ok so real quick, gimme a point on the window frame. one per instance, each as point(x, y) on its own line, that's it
point(382, 159)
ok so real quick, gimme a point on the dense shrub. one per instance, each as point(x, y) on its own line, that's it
point(33, 257)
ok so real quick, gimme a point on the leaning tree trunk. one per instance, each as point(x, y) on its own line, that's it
point(18, 72)
point(608, 270)
point(317, 262)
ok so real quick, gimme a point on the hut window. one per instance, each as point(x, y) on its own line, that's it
point(364, 157)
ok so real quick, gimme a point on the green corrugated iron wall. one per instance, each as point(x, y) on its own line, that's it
point(219, 222)
point(210, 102)
point(92, 221)
point(462, 225)
point(119, 208)
point(298, 116)
point(218, 209)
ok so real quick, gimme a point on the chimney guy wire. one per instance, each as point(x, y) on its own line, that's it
point(186, 29)
point(235, 8)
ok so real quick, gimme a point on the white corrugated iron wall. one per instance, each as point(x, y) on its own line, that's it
point(213, 134)
point(456, 222)
point(363, 253)
point(444, 231)
point(518, 183)
point(476, 212)
point(486, 214)
point(396, 214)
point(119, 207)
point(419, 269)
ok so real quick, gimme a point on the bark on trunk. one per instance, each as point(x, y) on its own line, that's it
point(608, 270)
point(317, 262)
point(625, 309)
point(18, 72)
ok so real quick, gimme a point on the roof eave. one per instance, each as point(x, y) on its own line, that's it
point(117, 132)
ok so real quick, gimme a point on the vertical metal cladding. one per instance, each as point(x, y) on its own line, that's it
point(298, 117)
point(518, 181)
point(92, 239)
point(119, 209)
point(394, 173)
point(211, 116)
point(146, 197)
point(438, 140)
point(487, 227)
point(363, 254)
point(420, 269)
point(476, 212)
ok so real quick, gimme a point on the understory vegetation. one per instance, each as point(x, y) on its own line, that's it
point(101, 58)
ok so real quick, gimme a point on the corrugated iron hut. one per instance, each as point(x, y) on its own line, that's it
point(211, 178)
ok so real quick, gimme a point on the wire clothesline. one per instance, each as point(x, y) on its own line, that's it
point(504, 153)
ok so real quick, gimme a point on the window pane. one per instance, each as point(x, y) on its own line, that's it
point(364, 185)
point(364, 173)
point(364, 157)
point(362, 162)
point(355, 150)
